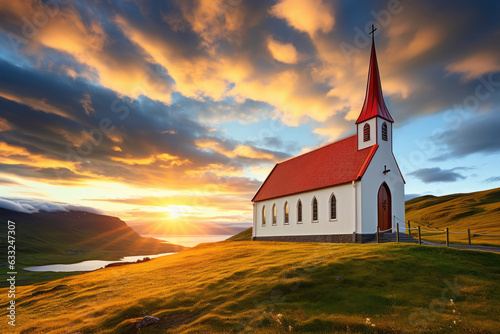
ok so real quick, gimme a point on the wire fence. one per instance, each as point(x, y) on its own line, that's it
point(433, 233)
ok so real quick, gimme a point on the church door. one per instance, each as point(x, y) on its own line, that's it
point(384, 207)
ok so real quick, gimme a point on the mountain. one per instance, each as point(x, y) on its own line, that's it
point(73, 236)
point(275, 287)
point(477, 211)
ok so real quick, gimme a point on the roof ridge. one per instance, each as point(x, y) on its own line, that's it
point(300, 155)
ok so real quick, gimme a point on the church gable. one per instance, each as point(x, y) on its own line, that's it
point(330, 165)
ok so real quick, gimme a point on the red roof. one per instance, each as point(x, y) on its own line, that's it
point(374, 100)
point(333, 164)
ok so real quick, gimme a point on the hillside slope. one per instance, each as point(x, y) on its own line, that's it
point(477, 211)
point(276, 288)
point(69, 237)
point(245, 235)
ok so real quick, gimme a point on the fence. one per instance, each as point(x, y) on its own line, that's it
point(419, 230)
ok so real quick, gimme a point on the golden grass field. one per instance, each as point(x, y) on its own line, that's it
point(267, 287)
point(478, 211)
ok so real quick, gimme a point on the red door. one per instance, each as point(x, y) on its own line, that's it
point(384, 207)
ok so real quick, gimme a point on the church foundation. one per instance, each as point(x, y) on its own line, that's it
point(332, 238)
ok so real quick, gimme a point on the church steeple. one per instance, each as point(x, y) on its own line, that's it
point(374, 101)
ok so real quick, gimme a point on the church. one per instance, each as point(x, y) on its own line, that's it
point(341, 192)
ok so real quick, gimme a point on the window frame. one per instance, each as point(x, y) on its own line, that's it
point(299, 212)
point(263, 215)
point(366, 132)
point(385, 136)
point(275, 215)
point(286, 214)
point(333, 200)
point(315, 211)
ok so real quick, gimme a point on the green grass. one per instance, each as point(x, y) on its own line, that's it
point(245, 235)
point(478, 211)
point(265, 287)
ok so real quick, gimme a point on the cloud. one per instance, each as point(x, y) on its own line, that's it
point(436, 174)
point(310, 16)
point(8, 181)
point(492, 179)
point(35, 205)
point(478, 134)
point(283, 52)
point(477, 64)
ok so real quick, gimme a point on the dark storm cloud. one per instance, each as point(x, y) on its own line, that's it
point(436, 174)
point(478, 134)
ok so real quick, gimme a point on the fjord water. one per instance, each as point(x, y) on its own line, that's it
point(89, 265)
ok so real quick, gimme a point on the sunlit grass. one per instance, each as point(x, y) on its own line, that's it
point(277, 287)
point(479, 212)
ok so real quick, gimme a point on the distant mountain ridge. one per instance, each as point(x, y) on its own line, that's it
point(60, 232)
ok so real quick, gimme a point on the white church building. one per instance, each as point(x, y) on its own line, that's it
point(340, 192)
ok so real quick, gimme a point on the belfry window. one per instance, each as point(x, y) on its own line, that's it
point(384, 131)
point(366, 132)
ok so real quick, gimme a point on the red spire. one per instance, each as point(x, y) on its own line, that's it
point(374, 101)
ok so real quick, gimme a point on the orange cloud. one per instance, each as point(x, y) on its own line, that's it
point(283, 52)
point(86, 42)
point(240, 150)
point(5, 125)
point(308, 16)
point(162, 158)
point(475, 65)
point(37, 104)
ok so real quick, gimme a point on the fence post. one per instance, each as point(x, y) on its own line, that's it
point(419, 236)
point(378, 228)
point(447, 237)
point(397, 232)
point(468, 232)
point(409, 228)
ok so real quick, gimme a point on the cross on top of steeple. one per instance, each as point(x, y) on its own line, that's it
point(372, 32)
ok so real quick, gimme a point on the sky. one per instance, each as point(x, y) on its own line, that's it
point(172, 113)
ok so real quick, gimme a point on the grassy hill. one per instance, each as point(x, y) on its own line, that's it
point(245, 235)
point(68, 237)
point(276, 288)
point(477, 211)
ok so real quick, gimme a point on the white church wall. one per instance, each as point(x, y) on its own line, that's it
point(370, 184)
point(344, 224)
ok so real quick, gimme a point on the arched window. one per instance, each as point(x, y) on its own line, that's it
point(286, 210)
point(275, 214)
point(315, 209)
point(264, 215)
point(299, 211)
point(333, 207)
point(384, 131)
point(366, 132)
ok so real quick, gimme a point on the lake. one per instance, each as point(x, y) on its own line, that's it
point(89, 265)
point(183, 240)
